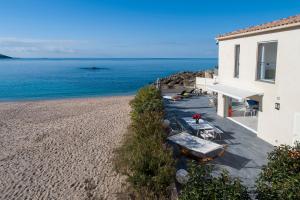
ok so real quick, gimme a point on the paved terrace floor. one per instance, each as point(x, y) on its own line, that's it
point(246, 153)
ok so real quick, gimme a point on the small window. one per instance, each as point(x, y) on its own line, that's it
point(236, 61)
point(266, 64)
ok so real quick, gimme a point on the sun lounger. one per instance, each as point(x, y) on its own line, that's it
point(196, 147)
point(186, 94)
point(172, 97)
point(180, 94)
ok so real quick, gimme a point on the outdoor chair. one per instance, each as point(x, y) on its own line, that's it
point(249, 110)
point(198, 92)
point(212, 101)
point(175, 126)
point(207, 134)
point(245, 109)
point(211, 134)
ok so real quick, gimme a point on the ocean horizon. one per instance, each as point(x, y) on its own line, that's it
point(25, 79)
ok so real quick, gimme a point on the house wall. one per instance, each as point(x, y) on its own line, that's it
point(202, 83)
point(274, 126)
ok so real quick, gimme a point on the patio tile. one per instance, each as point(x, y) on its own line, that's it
point(246, 153)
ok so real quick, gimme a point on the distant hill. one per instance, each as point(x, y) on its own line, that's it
point(4, 57)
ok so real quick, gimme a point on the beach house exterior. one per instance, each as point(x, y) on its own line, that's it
point(262, 64)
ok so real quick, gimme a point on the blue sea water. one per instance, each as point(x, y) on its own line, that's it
point(36, 79)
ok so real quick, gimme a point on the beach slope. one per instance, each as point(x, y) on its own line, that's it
point(61, 149)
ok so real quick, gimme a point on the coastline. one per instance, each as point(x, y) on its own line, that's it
point(62, 149)
point(58, 79)
point(61, 98)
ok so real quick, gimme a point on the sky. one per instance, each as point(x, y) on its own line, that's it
point(128, 28)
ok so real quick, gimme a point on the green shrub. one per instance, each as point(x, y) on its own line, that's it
point(149, 124)
point(202, 186)
point(147, 99)
point(152, 168)
point(280, 179)
point(143, 157)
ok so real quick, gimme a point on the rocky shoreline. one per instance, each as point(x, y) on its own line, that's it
point(185, 79)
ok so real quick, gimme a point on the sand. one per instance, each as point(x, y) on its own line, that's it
point(61, 149)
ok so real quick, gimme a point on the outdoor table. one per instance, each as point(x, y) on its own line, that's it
point(199, 146)
point(203, 125)
point(190, 120)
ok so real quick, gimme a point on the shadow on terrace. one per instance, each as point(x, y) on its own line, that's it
point(246, 153)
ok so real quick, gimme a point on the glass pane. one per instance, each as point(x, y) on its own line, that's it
point(237, 61)
point(267, 55)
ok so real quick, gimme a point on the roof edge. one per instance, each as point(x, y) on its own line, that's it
point(257, 32)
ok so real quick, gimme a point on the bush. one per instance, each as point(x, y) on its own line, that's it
point(280, 179)
point(149, 125)
point(147, 99)
point(148, 165)
point(202, 186)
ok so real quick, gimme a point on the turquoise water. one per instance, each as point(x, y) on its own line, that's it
point(35, 79)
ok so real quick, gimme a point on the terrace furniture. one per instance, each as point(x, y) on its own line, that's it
point(246, 108)
point(212, 101)
point(252, 103)
point(175, 126)
point(249, 109)
point(250, 112)
point(204, 129)
point(198, 91)
point(186, 94)
point(190, 121)
point(207, 134)
point(197, 148)
point(210, 134)
point(191, 92)
point(180, 94)
point(172, 97)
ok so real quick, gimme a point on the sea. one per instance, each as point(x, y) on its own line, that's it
point(40, 79)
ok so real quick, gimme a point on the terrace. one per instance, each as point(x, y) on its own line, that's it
point(246, 153)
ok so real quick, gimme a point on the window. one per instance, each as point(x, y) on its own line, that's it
point(236, 61)
point(266, 65)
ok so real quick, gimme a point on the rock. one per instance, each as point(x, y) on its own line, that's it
point(182, 176)
point(5, 57)
point(184, 78)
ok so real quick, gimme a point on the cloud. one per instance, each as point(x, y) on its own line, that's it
point(36, 46)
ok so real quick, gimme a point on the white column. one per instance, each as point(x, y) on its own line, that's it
point(223, 103)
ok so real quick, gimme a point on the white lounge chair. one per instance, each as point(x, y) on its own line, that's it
point(172, 98)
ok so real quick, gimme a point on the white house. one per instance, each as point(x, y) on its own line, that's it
point(262, 63)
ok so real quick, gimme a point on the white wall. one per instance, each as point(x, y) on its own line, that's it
point(202, 83)
point(275, 126)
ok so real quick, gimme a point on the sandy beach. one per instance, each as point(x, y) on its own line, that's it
point(61, 149)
